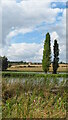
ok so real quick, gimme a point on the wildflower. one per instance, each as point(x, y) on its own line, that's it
point(34, 101)
point(60, 99)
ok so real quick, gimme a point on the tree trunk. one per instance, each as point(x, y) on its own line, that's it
point(54, 72)
point(45, 72)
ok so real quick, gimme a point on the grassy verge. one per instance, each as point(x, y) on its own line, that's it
point(26, 74)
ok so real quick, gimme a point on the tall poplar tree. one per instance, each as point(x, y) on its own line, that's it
point(56, 57)
point(46, 54)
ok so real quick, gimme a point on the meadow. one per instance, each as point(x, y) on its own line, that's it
point(30, 95)
point(36, 68)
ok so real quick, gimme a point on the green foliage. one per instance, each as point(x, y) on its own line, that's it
point(3, 63)
point(56, 57)
point(46, 54)
point(27, 74)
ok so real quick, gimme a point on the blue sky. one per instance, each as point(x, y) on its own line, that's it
point(37, 36)
point(32, 37)
point(61, 5)
point(25, 23)
point(18, 1)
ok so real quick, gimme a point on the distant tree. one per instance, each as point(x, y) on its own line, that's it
point(61, 62)
point(4, 63)
point(56, 57)
point(46, 61)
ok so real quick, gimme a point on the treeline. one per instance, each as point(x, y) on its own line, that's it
point(22, 62)
point(16, 62)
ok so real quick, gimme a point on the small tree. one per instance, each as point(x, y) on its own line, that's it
point(46, 54)
point(4, 63)
point(56, 57)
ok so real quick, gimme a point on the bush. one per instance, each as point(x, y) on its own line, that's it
point(4, 63)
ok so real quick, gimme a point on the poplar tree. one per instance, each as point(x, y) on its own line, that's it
point(46, 61)
point(56, 57)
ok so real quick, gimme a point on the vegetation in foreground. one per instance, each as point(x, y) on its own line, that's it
point(33, 97)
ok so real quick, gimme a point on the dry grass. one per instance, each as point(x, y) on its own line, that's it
point(38, 68)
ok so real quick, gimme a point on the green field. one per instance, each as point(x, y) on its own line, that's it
point(27, 74)
point(30, 95)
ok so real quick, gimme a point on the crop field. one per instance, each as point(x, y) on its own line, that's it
point(37, 68)
point(34, 96)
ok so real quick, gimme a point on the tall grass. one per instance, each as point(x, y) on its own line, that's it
point(36, 97)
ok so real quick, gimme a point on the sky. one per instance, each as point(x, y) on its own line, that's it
point(24, 25)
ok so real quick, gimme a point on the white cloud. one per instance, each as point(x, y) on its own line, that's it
point(23, 51)
point(16, 32)
point(54, 36)
point(26, 14)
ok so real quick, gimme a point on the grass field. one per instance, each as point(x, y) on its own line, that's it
point(37, 68)
point(33, 95)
